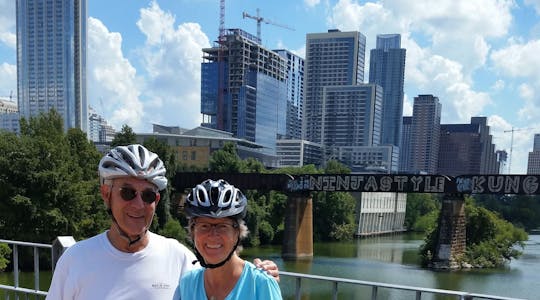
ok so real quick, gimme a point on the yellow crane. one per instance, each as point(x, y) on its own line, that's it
point(260, 20)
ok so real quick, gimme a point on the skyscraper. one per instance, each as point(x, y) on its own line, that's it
point(405, 144)
point(295, 93)
point(425, 134)
point(387, 69)
point(250, 82)
point(533, 163)
point(51, 59)
point(333, 58)
point(467, 149)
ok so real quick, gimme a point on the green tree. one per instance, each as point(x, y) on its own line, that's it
point(173, 229)
point(5, 252)
point(225, 160)
point(48, 182)
point(336, 167)
point(164, 210)
point(491, 241)
point(421, 208)
point(125, 137)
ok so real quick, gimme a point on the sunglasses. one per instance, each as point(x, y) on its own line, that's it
point(148, 196)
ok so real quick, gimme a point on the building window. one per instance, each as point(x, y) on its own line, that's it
point(193, 155)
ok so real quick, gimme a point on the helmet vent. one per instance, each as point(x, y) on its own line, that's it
point(141, 155)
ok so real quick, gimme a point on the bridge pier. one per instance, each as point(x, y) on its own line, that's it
point(298, 235)
point(452, 235)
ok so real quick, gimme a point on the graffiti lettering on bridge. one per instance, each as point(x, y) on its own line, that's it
point(401, 183)
point(498, 184)
point(371, 183)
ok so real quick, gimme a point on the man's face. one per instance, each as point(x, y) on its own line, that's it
point(133, 216)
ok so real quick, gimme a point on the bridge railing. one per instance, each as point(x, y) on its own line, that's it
point(375, 287)
point(16, 290)
point(299, 278)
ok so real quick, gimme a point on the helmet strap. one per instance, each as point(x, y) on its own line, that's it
point(122, 232)
point(200, 258)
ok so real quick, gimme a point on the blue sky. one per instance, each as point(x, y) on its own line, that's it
point(481, 57)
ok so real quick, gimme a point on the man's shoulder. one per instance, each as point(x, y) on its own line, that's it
point(82, 248)
point(88, 243)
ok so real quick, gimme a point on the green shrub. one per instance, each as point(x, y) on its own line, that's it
point(5, 251)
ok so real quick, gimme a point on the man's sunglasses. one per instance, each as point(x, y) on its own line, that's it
point(128, 194)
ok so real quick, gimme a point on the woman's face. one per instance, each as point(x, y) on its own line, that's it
point(215, 238)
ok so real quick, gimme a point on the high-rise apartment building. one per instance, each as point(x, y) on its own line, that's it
point(387, 69)
point(9, 115)
point(467, 149)
point(243, 89)
point(99, 131)
point(351, 116)
point(425, 134)
point(533, 164)
point(333, 58)
point(405, 144)
point(294, 94)
point(51, 59)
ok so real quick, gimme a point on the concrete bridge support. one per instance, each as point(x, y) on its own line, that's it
point(452, 236)
point(298, 235)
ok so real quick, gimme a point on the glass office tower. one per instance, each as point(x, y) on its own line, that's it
point(387, 69)
point(51, 59)
point(243, 89)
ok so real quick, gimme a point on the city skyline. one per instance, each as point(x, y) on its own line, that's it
point(145, 66)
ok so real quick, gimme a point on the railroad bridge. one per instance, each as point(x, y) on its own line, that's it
point(298, 235)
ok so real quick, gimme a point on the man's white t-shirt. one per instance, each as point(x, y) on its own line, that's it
point(94, 269)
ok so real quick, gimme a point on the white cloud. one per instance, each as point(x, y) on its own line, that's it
point(7, 23)
point(519, 59)
point(498, 85)
point(8, 79)
point(407, 106)
point(172, 58)
point(526, 91)
point(113, 89)
point(311, 3)
point(535, 4)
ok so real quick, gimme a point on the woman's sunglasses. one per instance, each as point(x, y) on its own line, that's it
point(128, 194)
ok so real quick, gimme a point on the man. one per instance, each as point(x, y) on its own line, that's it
point(127, 261)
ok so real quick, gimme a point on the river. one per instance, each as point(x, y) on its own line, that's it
point(389, 259)
point(394, 259)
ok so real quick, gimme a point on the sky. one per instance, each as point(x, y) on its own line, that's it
point(480, 58)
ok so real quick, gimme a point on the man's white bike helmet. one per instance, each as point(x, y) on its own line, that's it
point(133, 161)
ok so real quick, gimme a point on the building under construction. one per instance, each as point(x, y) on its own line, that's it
point(243, 89)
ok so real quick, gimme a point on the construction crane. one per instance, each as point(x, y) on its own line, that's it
point(512, 143)
point(260, 20)
point(221, 67)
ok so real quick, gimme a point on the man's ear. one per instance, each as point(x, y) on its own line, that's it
point(158, 198)
point(105, 191)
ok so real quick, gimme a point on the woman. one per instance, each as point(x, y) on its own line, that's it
point(216, 210)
